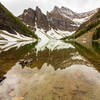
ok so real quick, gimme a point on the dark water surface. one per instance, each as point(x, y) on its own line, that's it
point(51, 71)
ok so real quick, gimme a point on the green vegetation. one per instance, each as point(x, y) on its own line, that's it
point(14, 23)
point(84, 30)
point(90, 52)
point(96, 35)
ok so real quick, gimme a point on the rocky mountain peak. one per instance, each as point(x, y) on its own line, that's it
point(28, 10)
point(59, 18)
point(67, 10)
point(28, 16)
point(56, 8)
point(41, 19)
point(38, 10)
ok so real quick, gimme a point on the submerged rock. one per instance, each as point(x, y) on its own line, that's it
point(1, 95)
point(25, 62)
point(12, 94)
point(18, 98)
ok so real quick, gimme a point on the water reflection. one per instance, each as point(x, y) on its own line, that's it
point(61, 58)
point(63, 71)
point(90, 51)
point(9, 58)
point(77, 82)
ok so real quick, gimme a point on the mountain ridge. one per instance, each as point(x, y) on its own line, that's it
point(89, 30)
point(58, 23)
point(62, 18)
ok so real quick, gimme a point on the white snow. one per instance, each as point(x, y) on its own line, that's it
point(67, 13)
point(48, 39)
point(44, 38)
point(14, 37)
point(52, 45)
point(9, 40)
point(8, 45)
point(52, 34)
point(25, 13)
point(65, 33)
point(51, 39)
point(80, 21)
point(78, 57)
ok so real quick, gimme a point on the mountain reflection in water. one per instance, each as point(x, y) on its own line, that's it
point(66, 71)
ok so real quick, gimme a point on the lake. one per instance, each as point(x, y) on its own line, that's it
point(54, 70)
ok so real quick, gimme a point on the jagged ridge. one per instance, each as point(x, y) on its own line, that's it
point(59, 18)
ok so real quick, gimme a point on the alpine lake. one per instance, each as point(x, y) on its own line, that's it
point(54, 70)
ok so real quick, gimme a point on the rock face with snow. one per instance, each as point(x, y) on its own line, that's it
point(89, 30)
point(57, 20)
point(67, 20)
point(94, 18)
point(29, 17)
point(62, 19)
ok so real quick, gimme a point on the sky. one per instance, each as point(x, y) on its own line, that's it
point(17, 6)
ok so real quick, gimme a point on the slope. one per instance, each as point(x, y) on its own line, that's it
point(12, 24)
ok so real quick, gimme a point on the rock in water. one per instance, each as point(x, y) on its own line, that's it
point(18, 98)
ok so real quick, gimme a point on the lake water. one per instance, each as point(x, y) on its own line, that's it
point(54, 70)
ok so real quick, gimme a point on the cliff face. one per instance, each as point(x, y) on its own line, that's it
point(53, 19)
point(61, 22)
point(41, 20)
point(62, 19)
point(32, 17)
point(29, 17)
point(12, 24)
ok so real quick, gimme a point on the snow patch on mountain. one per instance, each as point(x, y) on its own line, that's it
point(52, 34)
point(76, 17)
point(80, 21)
point(51, 39)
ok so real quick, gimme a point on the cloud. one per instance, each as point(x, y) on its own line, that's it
point(17, 6)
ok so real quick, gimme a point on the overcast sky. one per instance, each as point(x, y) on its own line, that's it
point(17, 6)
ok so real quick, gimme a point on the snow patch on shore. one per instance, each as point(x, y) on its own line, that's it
point(8, 40)
point(14, 37)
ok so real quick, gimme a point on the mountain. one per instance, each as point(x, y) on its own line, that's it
point(12, 26)
point(32, 17)
point(41, 20)
point(92, 19)
point(57, 18)
point(72, 19)
point(62, 21)
point(89, 30)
